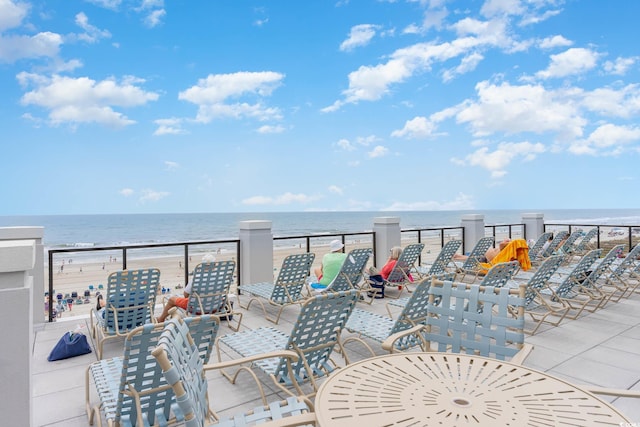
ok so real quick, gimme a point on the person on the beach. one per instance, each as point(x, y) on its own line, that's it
point(331, 265)
point(176, 301)
point(394, 255)
point(489, 255)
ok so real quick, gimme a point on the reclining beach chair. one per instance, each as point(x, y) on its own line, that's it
point(351, 272)
point(558, 293)
point(366, 325)
point(585, 243)
point(185, 372)
point(625, 278)
point(210, 286)
point(130, 299)
point(472, 264)
point(536, 306)
point(313, 338)
point(287, 289)
point(553, 246)
point(536, 248)
point(497, 276)
point(596, 290)
point(493, 331)
point(441, 264)
point(400, 276)
point(131, 389)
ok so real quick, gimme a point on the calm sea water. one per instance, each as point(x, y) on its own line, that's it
point(106, 230)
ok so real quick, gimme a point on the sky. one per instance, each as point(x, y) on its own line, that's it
point(175, 106)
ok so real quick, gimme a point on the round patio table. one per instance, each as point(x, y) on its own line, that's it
point(445, 389)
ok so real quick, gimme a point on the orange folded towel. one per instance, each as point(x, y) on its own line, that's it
point(516, 250)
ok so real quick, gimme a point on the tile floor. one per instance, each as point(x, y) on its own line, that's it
point(601, 348)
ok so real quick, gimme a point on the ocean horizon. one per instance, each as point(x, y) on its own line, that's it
point(129, 229)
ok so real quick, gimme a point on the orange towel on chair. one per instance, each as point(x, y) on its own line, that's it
point(516, 250)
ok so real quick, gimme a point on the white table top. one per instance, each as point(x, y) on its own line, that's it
point(444, 389)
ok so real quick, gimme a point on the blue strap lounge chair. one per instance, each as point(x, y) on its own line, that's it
point(285, 291)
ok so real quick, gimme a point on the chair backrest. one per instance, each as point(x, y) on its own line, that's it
point(292, 277)
point(177, 357)
point(491, 332)
point(557, 238)
point(500, 274)
point(534, 250)
point(413, 313)
point(541, 277)
point(478, 251)
point(629, 261)
point(315, 334)
point(569, 245)
point(130, 298)
point(445, 256)
point(579, 273)
point(141, 373)
point(603, 266)
point(210, 287)
point(351, 271)
point(585, 243)
point(406, 261)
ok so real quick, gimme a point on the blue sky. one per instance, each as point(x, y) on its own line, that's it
point(144, 106)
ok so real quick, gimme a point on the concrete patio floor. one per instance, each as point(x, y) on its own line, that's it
point(601, 348)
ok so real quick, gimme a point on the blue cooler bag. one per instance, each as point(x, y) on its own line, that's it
point(70, 345)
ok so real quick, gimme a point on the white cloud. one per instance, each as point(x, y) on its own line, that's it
point(92, 34)
point(360, 35)
point(497, 161)
point(416, 128)
point(171, 166)
point(378, 151)
point(526, 108)
point(152, 195)
point(467, 64)
point(620, 65)
point(335, 189)
point(107, 4)
point(45, 44)
point(154, 18)
point(367, 140)
point(271, 129)
point(12, 13)
point(127, 192)
point(345, 145)
point(573, 61)
point(172, 126)
point(607, 139)
point(554, 41)
point(492, 8)
point(623, 102)
point(283, 199)
point(213, 93)
point(83, 100)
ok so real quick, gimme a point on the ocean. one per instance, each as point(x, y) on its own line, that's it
point(68, 231)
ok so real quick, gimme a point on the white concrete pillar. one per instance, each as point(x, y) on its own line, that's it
point(17, 258)
point(533, 225)
point(256, 252)
point(473, 225)
point(387, 232)
point(36, 234)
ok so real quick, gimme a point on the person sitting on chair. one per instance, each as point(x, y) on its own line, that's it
point(176, 301)
point(331, 265)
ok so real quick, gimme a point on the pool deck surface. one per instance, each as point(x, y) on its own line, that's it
point(601, 348)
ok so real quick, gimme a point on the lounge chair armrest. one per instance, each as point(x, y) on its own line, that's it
point(524, 352)
point(612, 391)
point(391, 339)
point(249, 359)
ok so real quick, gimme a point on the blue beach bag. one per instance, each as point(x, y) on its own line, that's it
point(70, 345)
